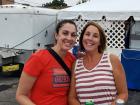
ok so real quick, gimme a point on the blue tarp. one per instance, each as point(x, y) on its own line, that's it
point(131, 63)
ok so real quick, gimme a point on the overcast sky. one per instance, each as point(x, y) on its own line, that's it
point(40, 2)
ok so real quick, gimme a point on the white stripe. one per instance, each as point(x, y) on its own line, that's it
point(93, 78)
point(94, 83)
point(80, 71)
point(97, 94)
point(96, 88)
point(80, 67)
point(104, 68)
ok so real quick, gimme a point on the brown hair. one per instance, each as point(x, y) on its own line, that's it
point(61, 23)
point(102, 46)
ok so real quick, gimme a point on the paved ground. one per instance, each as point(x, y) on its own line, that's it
point(134, 97)
point(8, 88)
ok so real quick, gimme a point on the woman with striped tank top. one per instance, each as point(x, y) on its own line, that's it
point(98, 76)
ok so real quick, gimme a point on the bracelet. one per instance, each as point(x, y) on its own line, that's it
point(120, 102)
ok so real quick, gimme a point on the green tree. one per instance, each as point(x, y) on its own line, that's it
point(82, 1)
point(55, 4)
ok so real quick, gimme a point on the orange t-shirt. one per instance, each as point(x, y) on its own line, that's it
point(52, 84)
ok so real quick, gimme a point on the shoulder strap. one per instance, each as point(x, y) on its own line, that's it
point(60, 61)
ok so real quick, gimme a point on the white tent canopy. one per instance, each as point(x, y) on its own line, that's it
point(96, 9)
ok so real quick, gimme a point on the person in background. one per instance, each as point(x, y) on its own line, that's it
point(97, 77)
point(43, 80)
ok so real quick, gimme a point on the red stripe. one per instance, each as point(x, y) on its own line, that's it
point(79, 65)
point(83, 72)
point(104, 61)
point(105, 57)
point(79, 69)
point(80, 61)
point(96, 97)
point(108, 70)
point(104, 65)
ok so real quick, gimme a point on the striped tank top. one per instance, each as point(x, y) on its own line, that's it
point(97, 84)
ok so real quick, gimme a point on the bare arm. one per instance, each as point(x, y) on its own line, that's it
point(72, 98)
point(25, 84)
point(120, 79)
